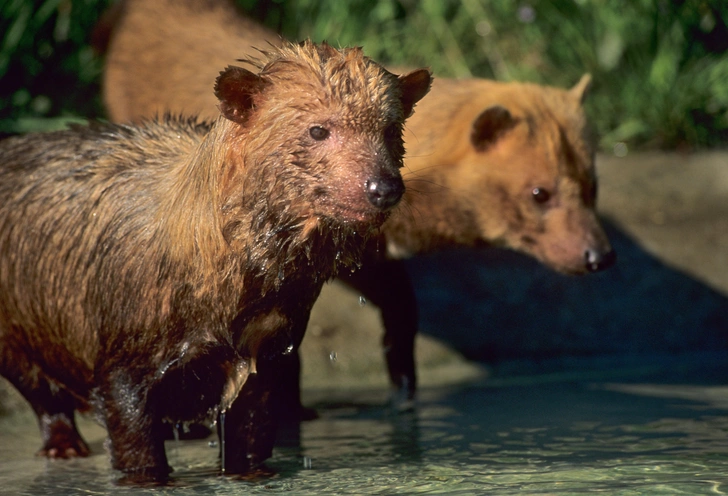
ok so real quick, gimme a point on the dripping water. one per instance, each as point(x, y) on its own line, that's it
point(222, 441)
point(175, 433)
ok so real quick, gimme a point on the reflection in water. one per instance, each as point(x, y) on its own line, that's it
point(557, 438)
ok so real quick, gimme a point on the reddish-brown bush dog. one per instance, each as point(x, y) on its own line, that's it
point(162, 272)
point(506, 164)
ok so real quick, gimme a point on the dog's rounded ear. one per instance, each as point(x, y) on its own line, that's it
point(490, 125)
point(414, 86)
point(235, 88)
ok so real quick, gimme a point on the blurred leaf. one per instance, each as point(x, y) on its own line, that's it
point(627, 131)
point(718, 81)
point(610, 50)
point(32, 124)
point(21, 12)
point(667, 59)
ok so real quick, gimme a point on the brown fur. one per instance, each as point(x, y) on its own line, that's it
point(488, 163)
point(482, 148)
point(153, 272)
point(144, 33)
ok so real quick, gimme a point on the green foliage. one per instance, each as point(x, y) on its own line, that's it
point(660, 67)
point(48, 71)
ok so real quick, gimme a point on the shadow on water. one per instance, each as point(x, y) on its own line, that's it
point(497, 305)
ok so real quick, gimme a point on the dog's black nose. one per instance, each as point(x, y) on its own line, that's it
point(384, 192)
point(597, 260)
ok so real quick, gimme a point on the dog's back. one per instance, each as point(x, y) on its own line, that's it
point(176, 45)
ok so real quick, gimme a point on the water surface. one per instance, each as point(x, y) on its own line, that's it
point(615, 432)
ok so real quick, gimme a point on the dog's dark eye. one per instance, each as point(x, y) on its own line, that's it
point(319, 133)
point(540, 195)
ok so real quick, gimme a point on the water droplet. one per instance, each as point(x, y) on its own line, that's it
point(332, 356)
point(222, 441)
point(362, 301)
point(307, 463)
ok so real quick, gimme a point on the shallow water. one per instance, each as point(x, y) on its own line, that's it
point(616, 432)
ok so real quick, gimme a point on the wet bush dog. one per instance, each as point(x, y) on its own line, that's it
point(506, 164)
point(160, 272)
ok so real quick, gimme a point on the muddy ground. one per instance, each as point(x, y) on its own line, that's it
point(486, 312)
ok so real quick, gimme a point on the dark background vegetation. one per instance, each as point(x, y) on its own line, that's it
point(660, 67)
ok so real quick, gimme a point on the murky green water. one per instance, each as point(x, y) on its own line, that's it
point(649, 434)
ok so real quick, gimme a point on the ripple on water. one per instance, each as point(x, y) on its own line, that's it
point(456, 443)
